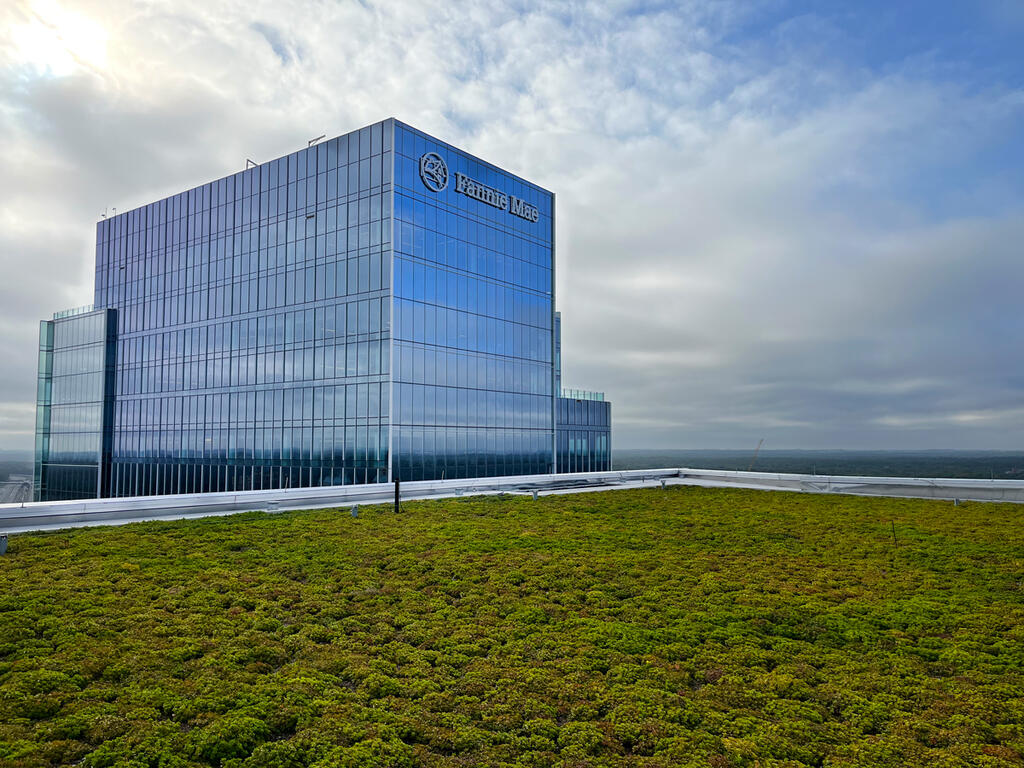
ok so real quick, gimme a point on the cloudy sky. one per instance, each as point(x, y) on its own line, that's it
point(797, 221)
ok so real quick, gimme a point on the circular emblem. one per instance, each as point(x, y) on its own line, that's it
point(434, 171)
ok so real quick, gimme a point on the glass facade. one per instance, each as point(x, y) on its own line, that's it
point(338, 315)
point(474, 302)
point(73, 405)
point(255, 325)
point(584, 435)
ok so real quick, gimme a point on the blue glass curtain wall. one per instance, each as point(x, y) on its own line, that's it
point(473, 299)
point(584, 435)
point(44, 396)
point(255, 325)
point(73, 406)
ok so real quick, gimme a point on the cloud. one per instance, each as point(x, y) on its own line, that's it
point(757, 236)
point(275, 40)
point(992, 416)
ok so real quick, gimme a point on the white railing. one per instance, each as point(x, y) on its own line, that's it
point(32, 516)
point(582, 394)
point(84, 310)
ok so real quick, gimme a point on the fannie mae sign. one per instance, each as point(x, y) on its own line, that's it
point(434, 173)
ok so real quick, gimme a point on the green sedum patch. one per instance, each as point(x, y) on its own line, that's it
point(678, 627)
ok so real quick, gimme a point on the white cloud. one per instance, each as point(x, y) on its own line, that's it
point(752, 236)
point(1003, 417)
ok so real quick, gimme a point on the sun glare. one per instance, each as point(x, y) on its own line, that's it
point(56, 42)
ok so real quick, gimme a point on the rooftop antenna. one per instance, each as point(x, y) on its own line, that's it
point(311, 142)
point(249, 162)
point(756, 451)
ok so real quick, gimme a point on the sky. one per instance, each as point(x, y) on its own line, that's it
point(801, 222)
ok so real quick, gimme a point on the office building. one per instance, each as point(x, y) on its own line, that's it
point(376, 306)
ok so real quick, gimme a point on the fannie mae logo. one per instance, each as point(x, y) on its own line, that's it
point(434, 173)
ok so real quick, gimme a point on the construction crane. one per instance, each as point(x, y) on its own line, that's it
point(756, 451)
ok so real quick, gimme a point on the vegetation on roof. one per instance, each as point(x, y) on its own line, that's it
point(677, 627)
